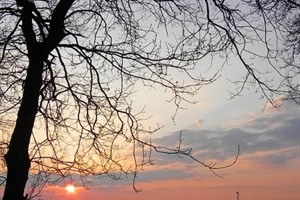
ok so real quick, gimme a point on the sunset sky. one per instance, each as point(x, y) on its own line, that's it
point(217, 128)
point(268, 166)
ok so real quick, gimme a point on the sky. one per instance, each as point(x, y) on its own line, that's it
point(268, 166)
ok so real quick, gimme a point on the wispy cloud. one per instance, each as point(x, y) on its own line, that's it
point(269, 139)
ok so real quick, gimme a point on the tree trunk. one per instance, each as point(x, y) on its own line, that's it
point(17, 158)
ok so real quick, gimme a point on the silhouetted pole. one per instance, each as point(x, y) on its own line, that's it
point(238, 195)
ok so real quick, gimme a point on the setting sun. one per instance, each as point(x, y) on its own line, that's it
point(70, 188)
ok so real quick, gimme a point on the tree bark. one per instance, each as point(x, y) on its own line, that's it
point(17, 158)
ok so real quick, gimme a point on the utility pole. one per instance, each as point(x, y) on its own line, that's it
point(237, 195)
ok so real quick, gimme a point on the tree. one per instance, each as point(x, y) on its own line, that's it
point(71, 67)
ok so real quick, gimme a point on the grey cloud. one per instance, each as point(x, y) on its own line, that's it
point(277, 159)
point(289, 112)
point(289, 132)
point(266, 122)
point(276, 132)
point(164, 174)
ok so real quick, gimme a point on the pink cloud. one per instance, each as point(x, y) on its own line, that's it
point(198, 123)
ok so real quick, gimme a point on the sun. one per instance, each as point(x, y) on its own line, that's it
point(70, 189)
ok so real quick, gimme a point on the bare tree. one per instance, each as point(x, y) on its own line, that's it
point(69, 68)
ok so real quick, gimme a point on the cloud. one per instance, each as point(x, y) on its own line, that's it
point(164, 174)
point(266, 133)
point(271, 139)
point(276, 103)
point(277, 158)
point(198, 123)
